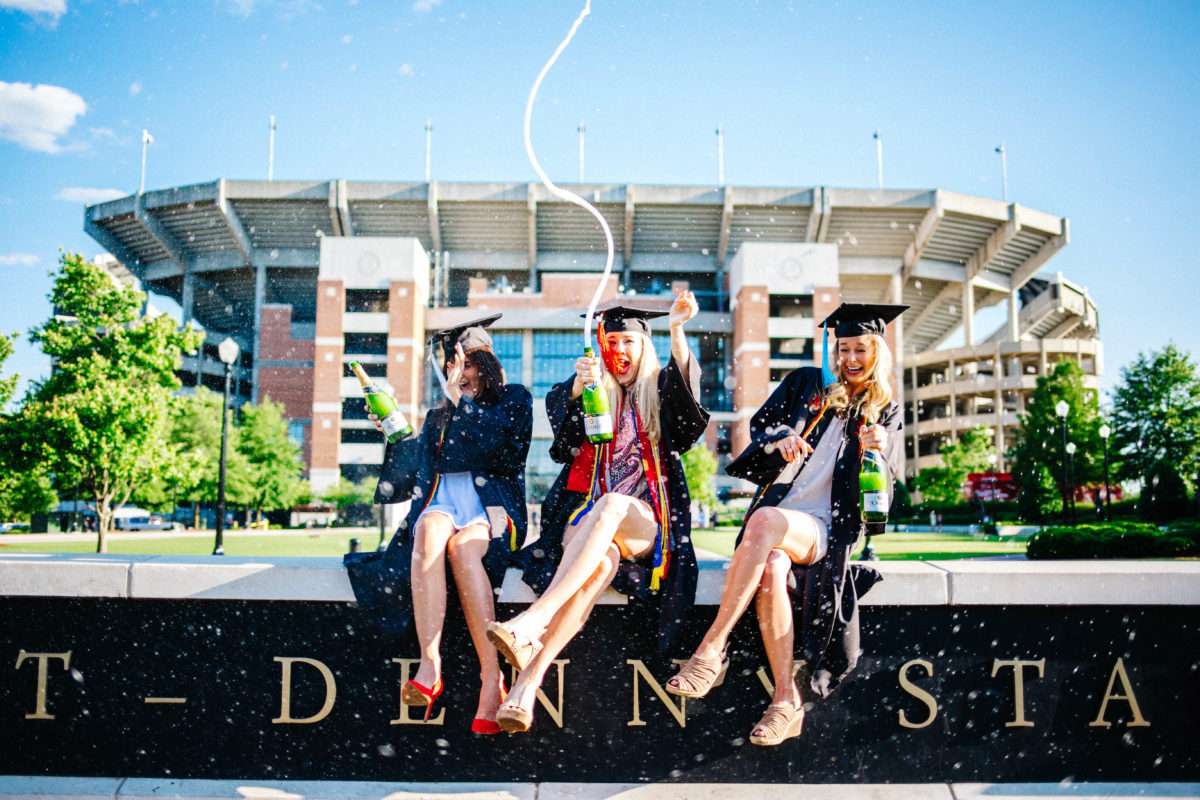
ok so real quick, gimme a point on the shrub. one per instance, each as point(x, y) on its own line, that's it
point(1116, 540)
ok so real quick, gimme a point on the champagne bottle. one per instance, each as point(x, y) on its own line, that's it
point(872, 492)
point(382, 405)
point(597, 422)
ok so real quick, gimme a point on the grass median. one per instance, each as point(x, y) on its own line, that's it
point(336, 541)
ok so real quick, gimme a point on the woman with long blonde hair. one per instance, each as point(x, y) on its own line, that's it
point(619, 512)
point(806, 445)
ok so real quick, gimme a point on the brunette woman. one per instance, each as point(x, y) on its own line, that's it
point(619, 512)
point(806, 445)
point(465, 472)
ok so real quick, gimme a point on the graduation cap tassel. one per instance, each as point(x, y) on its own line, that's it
point(827, 376)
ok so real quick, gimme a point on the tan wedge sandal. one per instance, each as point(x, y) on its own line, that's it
point(516, 650)
point(698, 676)
point(781, 722)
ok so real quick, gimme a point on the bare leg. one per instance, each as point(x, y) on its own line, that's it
point(467, 549)
point(562, 628)
point(616, 520)
point(774, 609)
point(429, 592)
point(769, 528)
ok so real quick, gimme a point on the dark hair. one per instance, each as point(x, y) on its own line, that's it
point(491, 376)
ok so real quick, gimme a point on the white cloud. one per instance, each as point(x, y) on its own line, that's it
point(18, 260)
point(426, 5)
point(55, 8)
point(88, 196)
point(36, 116)
point(135, 88)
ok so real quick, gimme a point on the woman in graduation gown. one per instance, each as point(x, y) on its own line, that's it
point(804, 455)
point(465, 472)
point(619, 512)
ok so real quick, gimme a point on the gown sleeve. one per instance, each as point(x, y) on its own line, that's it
point(758, 463)
point(398, 475)
point(682, 416)
point(480, 439)
point(566, 420)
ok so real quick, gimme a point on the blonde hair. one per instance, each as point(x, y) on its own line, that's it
point(869, 403)
point(644, 390)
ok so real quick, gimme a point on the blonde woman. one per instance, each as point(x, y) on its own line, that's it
point(619, 511)
point(804, 456)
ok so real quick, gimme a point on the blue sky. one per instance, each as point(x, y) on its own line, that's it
point(1097, 103)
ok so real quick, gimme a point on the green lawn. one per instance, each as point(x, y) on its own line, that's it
point(335, 542)
point(316, 543)
point(893, 546)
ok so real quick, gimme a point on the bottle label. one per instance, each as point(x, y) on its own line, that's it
point(371, 389)
point(874, 502)
point(597, 424)
point(393, 423)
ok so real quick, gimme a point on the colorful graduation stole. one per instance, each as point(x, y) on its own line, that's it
point(589, 478)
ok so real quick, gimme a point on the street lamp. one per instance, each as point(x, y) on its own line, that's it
point(228, 353)
point(1061, 409)
point(1071, 477)
point(1104, 433)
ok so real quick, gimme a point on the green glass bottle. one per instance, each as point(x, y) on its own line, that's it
point(597, 422)
point(382, 405)
point(873, 492)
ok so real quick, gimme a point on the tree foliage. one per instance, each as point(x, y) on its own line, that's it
point(272, 459)
point(25, 486)
point(1037, 454)
point(969, 454)
point(102, 413)
point(1156, 417)
point(700, 470)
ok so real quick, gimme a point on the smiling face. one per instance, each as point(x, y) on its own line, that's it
point(469, 383)
point(856, 361)
point(624, 355)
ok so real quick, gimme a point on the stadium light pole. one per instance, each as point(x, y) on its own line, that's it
point(879, 156)
point(720, 154)
point(1003, 170)
point(582, 131)
point(1104, 434)
point(1061, 409)
point(271, 151)
point(146, 139)
point(428, 145)
point(228, 353)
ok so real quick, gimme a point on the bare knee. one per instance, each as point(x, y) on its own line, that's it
point(465, 549)
point(764, 526)
point(613, 507)
point(775, 572)
point(429, 540)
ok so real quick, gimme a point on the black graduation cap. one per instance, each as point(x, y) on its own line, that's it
point(618, 317)
point(471, 335)
point(856, 319)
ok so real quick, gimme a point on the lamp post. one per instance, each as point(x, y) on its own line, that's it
point(1071, 478)
point(1061, 409)
point(228, 353)
point(1104, 433)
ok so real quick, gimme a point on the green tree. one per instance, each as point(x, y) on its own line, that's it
point(352, 500)
point(102, 413)
point(272, 459)
point(699, 469)
point(25, 486)
point(1038, 452)
point(1156, 418)
point(969, 454)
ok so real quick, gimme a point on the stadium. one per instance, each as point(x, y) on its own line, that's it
point(307, 276)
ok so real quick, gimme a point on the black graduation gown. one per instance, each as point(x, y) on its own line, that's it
point(682, 422)
point(826, 600)
point(492, 444)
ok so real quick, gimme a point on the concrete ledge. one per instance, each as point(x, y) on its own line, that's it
point(316, 579)
point(41, 788)
point(1054, 583)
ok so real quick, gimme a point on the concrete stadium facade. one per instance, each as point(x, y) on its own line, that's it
point(307, 276)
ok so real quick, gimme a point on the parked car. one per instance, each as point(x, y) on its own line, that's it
point(147, 523)
point(14, 527)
